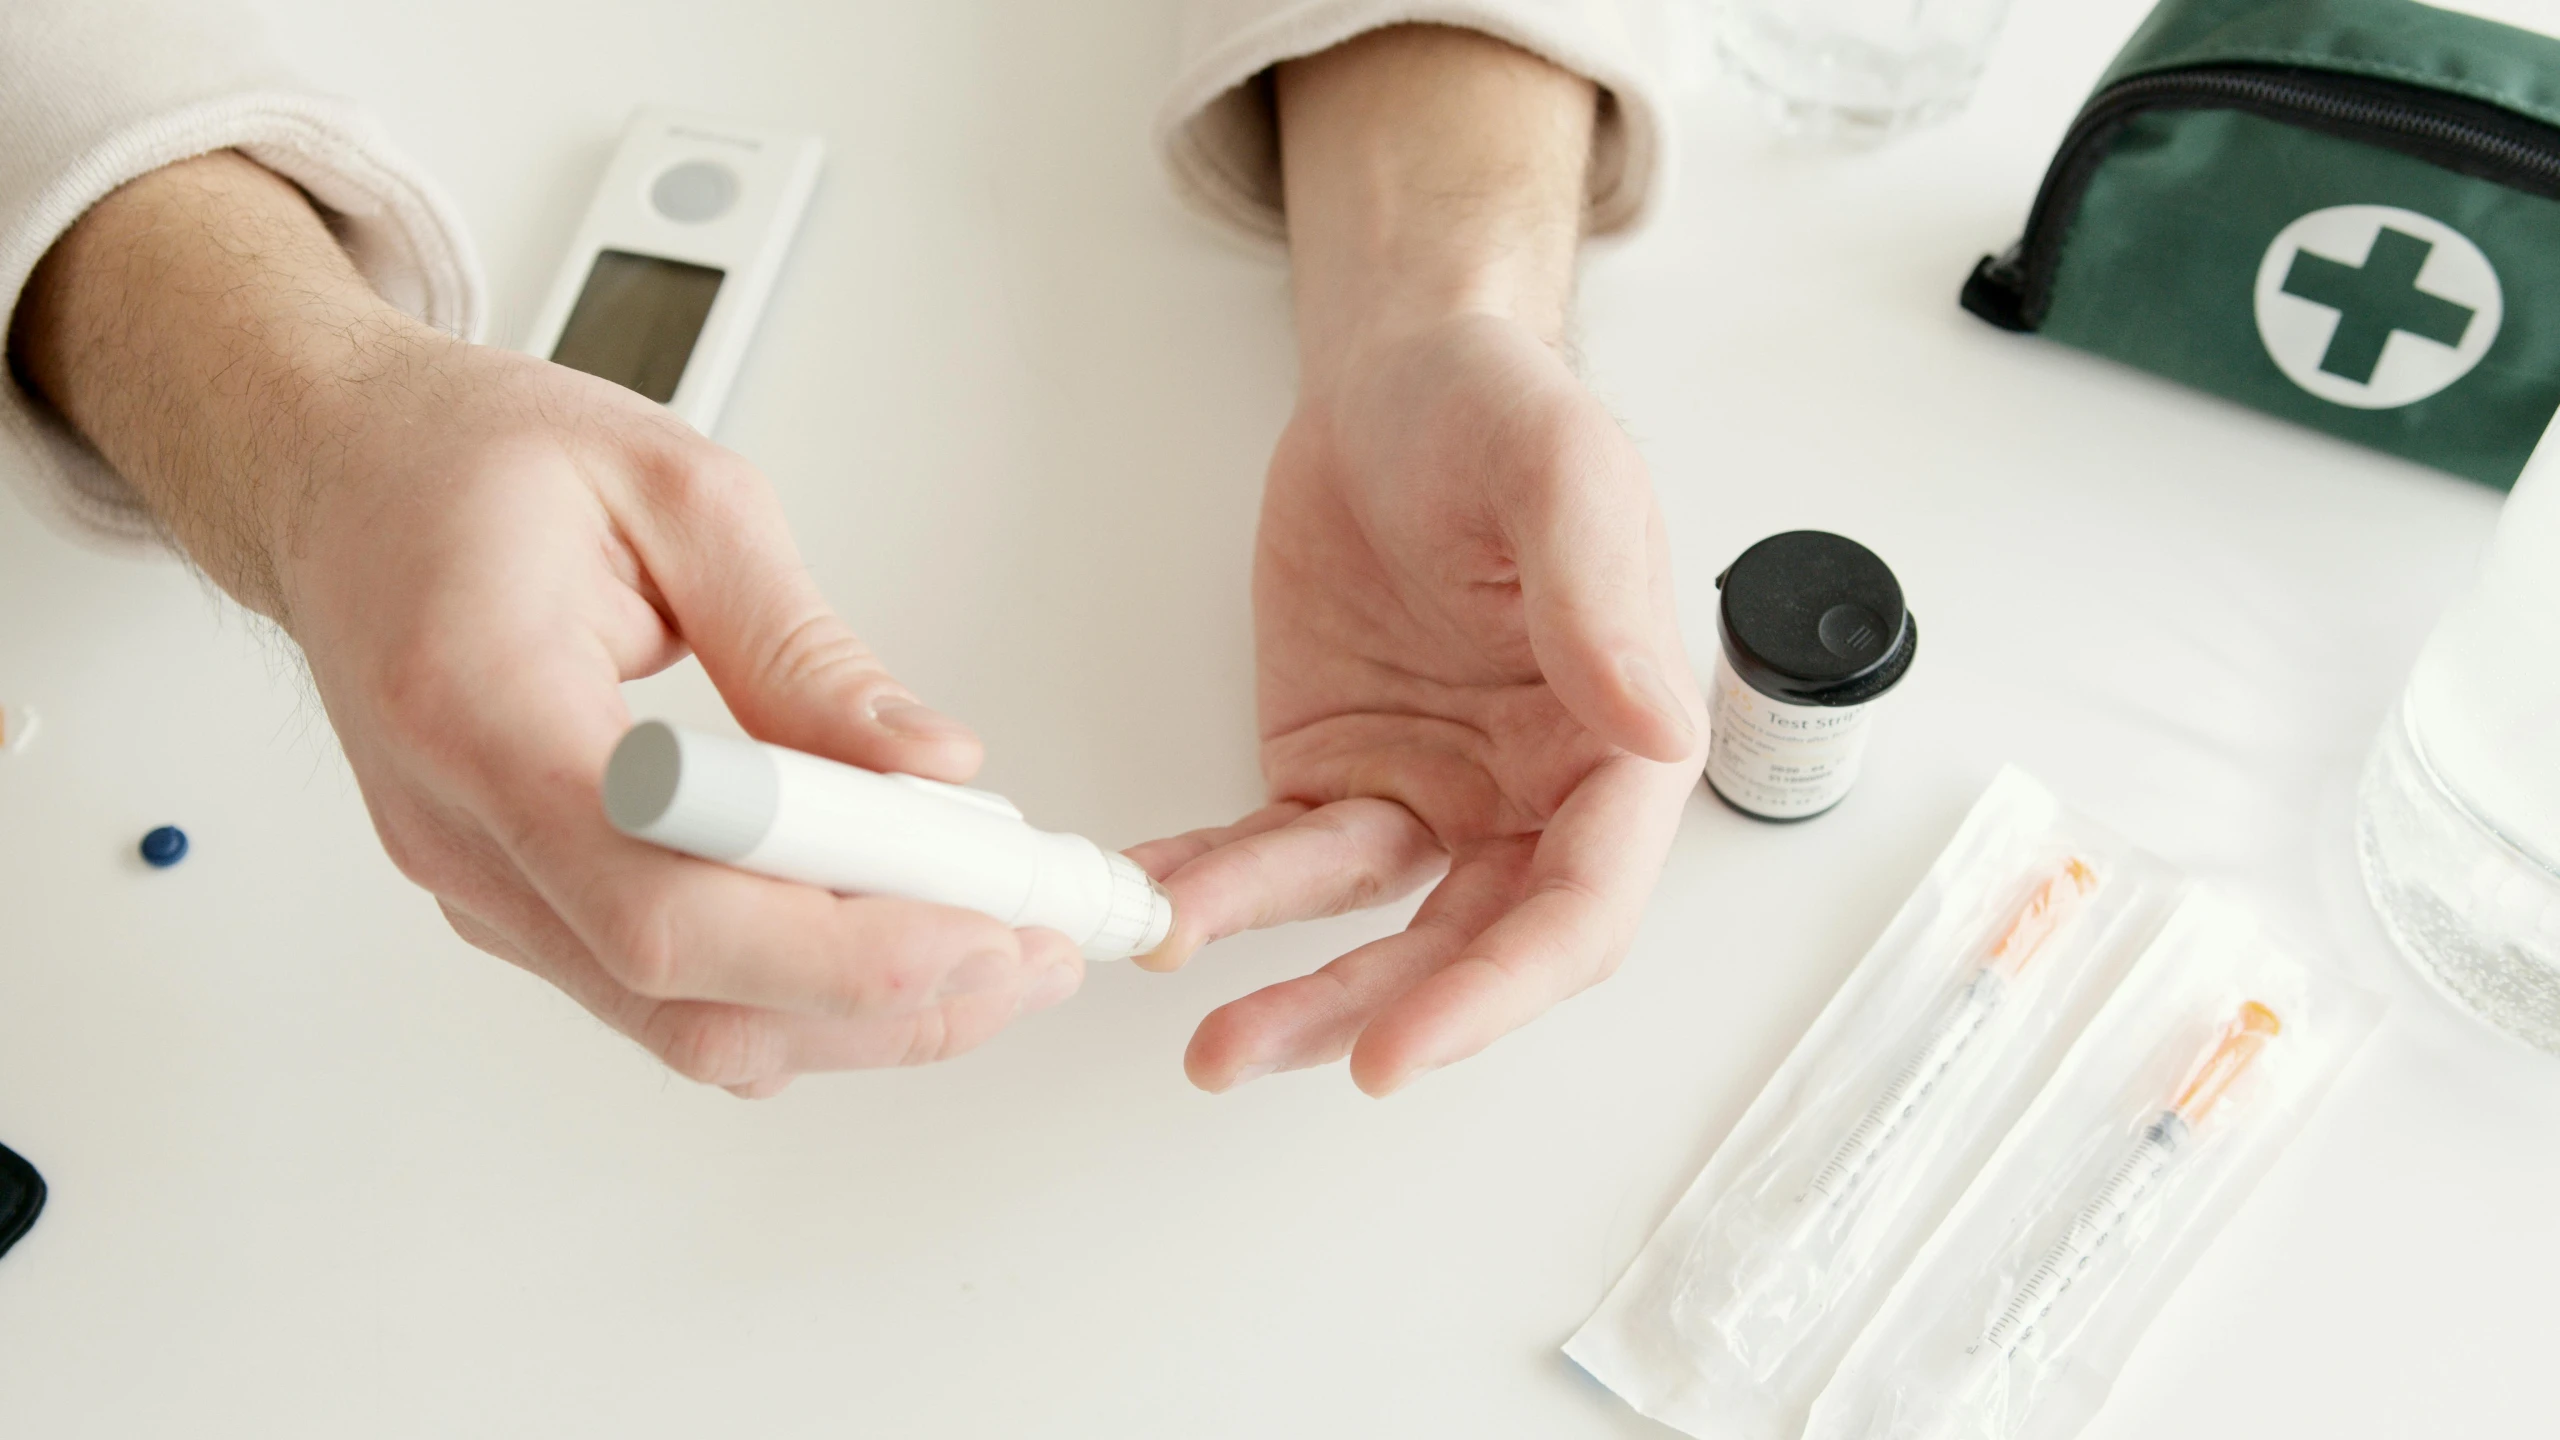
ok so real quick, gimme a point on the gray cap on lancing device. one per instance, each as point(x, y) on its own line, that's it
point(711, 795)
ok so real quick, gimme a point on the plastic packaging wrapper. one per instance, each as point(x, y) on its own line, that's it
point(1737, 1311)
point(2014, 1320)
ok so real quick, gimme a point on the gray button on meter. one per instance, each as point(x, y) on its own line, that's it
point(695, 191)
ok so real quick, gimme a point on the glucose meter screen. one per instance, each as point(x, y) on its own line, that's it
point(636, 321)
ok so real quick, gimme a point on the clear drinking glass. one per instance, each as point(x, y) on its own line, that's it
point(2475, 911)
point(2458, 820)
point(1857, 71)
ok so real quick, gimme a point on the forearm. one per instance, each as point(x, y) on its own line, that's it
point(1431, 172)
point(203, 330)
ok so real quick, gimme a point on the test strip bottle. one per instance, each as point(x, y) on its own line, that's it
point(1812, 630)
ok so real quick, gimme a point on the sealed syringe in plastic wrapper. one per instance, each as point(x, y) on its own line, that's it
point(2013, 1321)
point(1736, 1312)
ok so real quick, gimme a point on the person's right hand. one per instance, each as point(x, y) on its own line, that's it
point(500, 544)
point(474, 549)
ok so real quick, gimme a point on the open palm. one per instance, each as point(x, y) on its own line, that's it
point(1469, 660)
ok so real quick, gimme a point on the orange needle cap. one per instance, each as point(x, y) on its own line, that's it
point(2231, 1056)
point(2042, 916)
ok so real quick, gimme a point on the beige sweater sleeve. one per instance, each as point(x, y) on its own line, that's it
point(1219, 139)
point(94, 93)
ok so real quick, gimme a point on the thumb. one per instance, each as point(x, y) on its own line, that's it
point(1595, 586)
point(791, 670)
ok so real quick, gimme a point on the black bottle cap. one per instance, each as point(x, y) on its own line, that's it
point(1813, 618)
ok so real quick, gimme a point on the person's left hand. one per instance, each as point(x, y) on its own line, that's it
point(1469, 660)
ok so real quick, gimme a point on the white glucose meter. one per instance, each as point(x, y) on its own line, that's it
point(676, 257)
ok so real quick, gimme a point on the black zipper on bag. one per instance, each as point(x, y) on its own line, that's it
point(2013, 290)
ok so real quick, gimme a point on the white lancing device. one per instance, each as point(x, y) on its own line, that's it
point(794, 816)
point(676, 257)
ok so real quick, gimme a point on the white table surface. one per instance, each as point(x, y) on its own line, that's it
point(320, 1170)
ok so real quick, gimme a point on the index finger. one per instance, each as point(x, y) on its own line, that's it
point(1284, 863)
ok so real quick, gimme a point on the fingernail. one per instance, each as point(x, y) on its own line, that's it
point(904, 715)
point(1050, 986)
point(1645, 678)
point(1250, 1073)
point(984, 971)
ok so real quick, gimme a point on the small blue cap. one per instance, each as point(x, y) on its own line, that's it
point(165, 846)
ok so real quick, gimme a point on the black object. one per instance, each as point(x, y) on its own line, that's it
point(21, 1197)
point(2468, 137)
point(1813, 618)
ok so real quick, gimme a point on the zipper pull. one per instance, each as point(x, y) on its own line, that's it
point(1997, 289)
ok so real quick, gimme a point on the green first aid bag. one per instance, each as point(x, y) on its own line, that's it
point(2342, 212)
